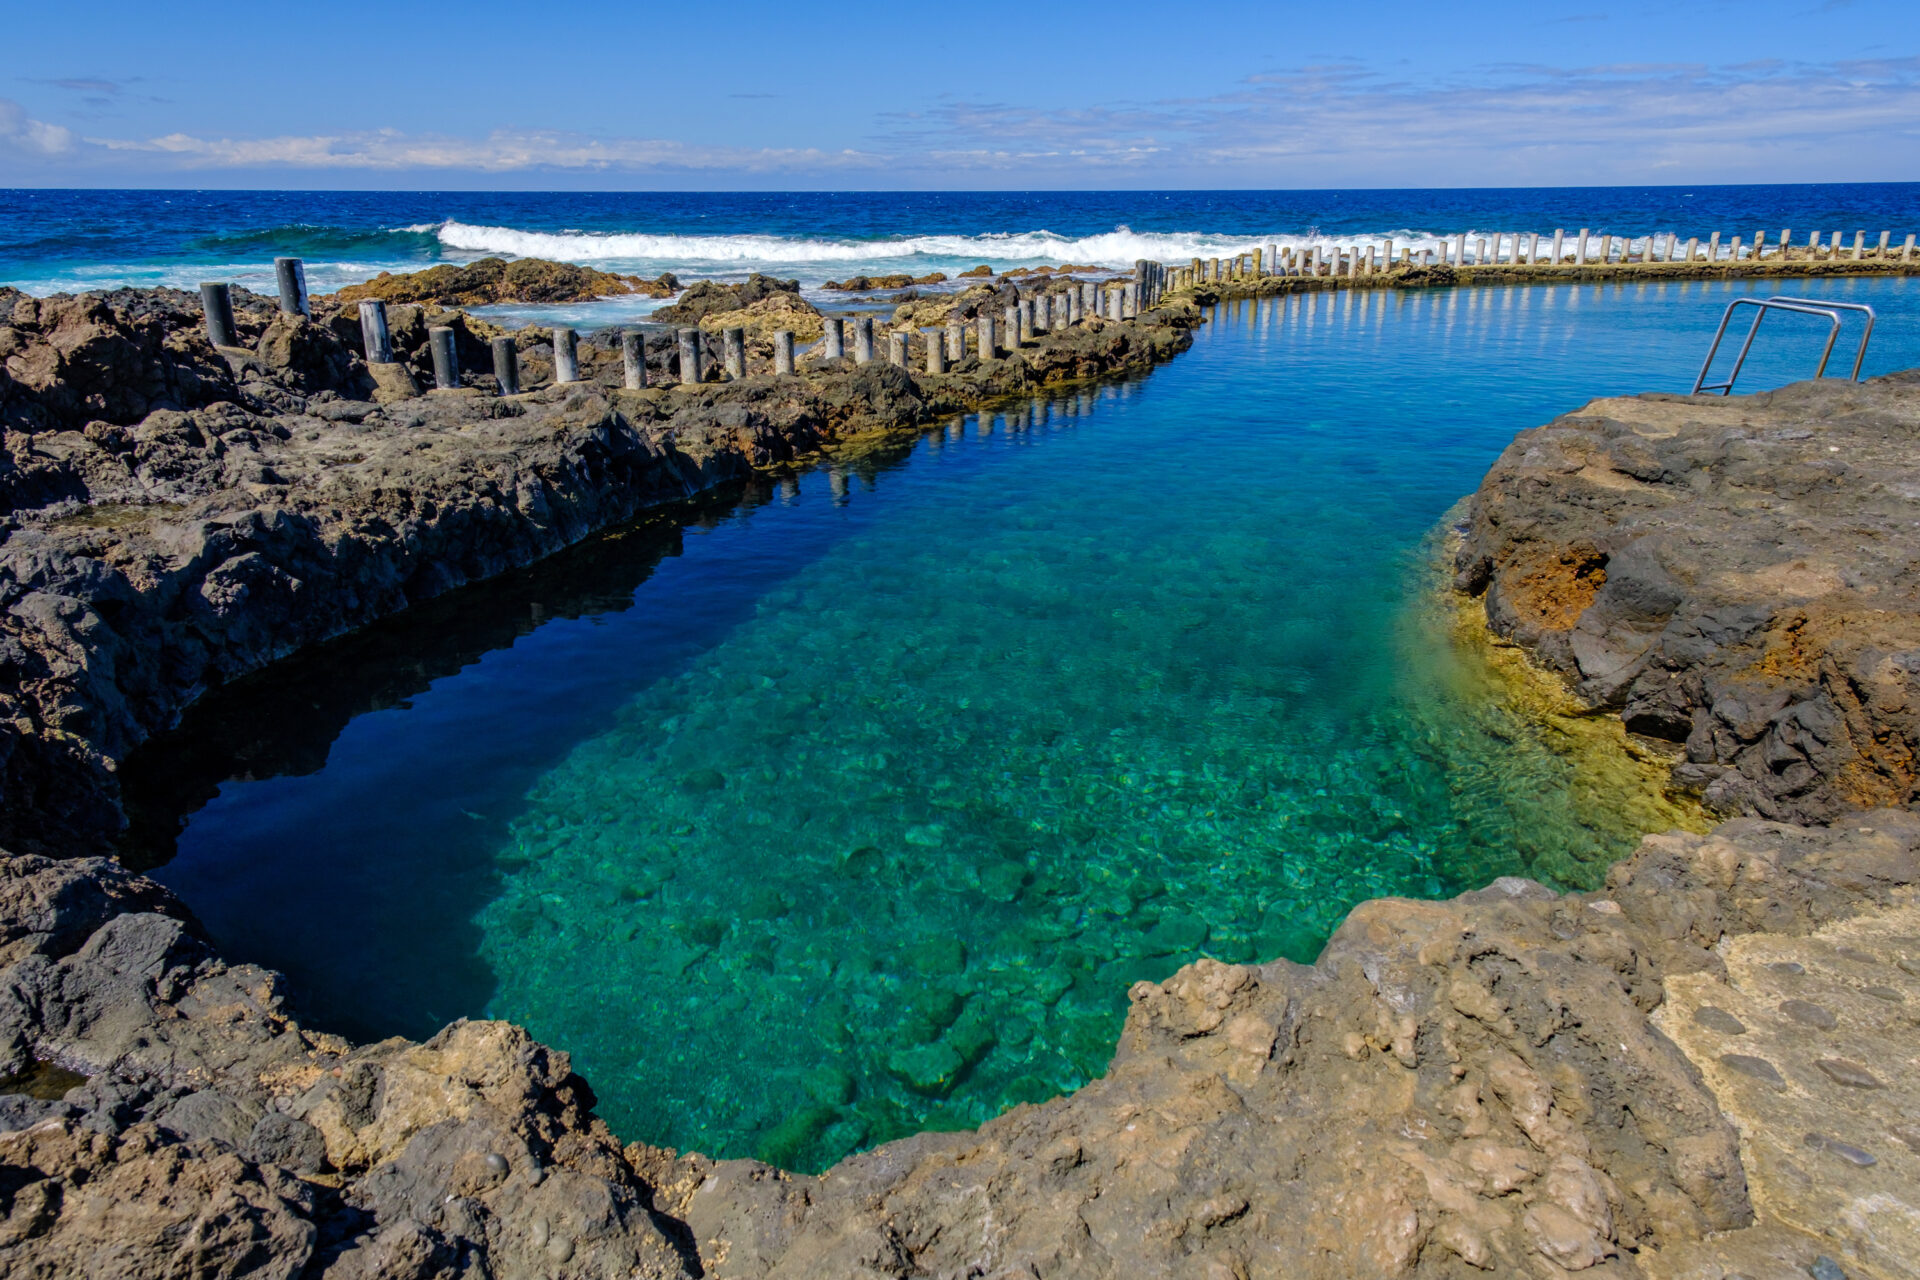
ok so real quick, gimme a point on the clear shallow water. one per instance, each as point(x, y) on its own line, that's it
point(75, 240)
point(855, 809)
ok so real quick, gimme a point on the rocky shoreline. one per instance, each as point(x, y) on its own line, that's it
point(1703, 1070)
point(176, 517)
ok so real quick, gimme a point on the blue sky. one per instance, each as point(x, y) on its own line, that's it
point(949, 95)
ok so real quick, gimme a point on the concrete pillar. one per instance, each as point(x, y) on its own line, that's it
point(566, 356)
point(1043, 313)
point(1023, 321)
point(1074, 312)
point(1759, 244)
point(1090, 297)
point(782, 352)
point(1426, 257)
point(733, 353)
point(506, 366)
point(1834, 251)
point(1259, 262)
point(956, 339)
point(1533, 249)
point(1693, 248)
point(1906, 251)
point(373, 332)
point(1813, 244)
point(690, 357)
point(863, 340)
point(1884, 237)
point(1733, 250)
point(1786, 244)
point(1273, 259)
point(1559, 238)
point(1480, 252)
point(1460, 250)
point(1113, 304)
point(1713, 247)
point(216, 302)
point(633, 355)
point(988, 348)
point(291, 275)
point(936, 352)
point(1580, 248)
point(897, 349)
point(446, 361)
point(1386, 261)
point(1859, 245)
point(1353, 261)
point(834, 345)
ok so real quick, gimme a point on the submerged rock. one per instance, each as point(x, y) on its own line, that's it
point(1506, 1081)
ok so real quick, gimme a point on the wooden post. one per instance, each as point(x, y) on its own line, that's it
point(782, 352)
point(988, 348)
point(936, 351)
point(216, 302)
point(733, 353)
point(633, 355)
point(835, 342)
point(863, 340)
point(506, 366)
point(690, 353)
point(446, 361)
point(291, 275)
point(566, 358)
point(373, 332)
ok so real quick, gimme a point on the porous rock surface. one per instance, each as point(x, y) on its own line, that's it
point(172, 516)
point(1736, 576)
point(490, 280)
point(1479, 1086)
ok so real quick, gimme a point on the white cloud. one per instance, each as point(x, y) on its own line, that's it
point(1340, 123)
point(21, 132)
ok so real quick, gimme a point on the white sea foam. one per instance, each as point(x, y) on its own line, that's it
point(1118, 248)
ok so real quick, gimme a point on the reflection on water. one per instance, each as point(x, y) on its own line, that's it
point(865, 809)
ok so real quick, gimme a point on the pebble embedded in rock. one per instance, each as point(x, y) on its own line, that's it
point(1787, 968)
point(1717, 1019)
point(1809, 1014)
point(1886, 993)
point(1845, 1150)
point(1856, 955)
point(1759, 1068)
point(496, 1162)
point(1850, 1074)
point(1825, 1268)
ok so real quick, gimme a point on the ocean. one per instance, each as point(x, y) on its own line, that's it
point(53, 240)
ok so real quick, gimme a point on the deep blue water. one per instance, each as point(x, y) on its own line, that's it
point(856, 806)
point(91, 239)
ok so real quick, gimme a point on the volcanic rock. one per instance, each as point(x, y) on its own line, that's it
point(493, 280)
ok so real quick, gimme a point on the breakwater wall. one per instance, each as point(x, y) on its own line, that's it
point(1533, 258)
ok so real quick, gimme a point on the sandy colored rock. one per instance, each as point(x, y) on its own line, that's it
point(492, 280)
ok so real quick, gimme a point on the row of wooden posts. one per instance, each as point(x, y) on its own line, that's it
point(1017, 326)
point(1582, 248)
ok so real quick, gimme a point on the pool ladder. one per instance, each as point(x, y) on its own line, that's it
point(1800, 306)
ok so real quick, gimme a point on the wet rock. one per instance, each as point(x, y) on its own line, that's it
point(1851, 1074)
point(1809, 1014)
point(1715, 1019)
point(1759, 1068)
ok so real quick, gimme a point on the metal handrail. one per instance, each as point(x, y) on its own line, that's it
point(1801, 306)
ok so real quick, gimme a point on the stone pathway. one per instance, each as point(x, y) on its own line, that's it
point(1812, 1046)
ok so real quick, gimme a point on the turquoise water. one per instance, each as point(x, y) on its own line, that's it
point(861, 811)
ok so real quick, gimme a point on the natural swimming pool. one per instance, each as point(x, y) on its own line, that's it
point(855, 807)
